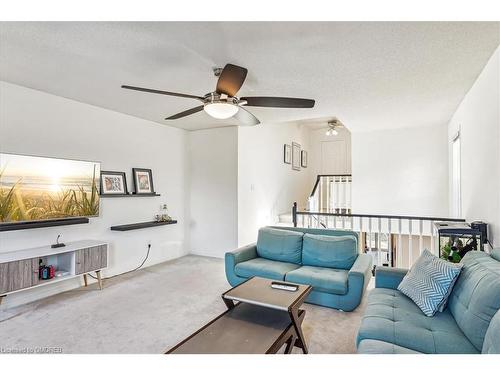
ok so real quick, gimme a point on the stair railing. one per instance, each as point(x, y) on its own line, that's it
point(393, 240)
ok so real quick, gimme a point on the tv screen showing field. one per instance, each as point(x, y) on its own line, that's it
point(38, 188)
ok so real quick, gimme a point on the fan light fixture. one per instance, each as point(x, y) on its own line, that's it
point(223, 102)
point(221, 110)
point(331, 131)
point(332, 127)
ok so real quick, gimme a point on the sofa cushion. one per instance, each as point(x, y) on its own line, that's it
point(491, 343)
point(392, 317)
point(322, 279)
point(329, 251)
point(429, 281)
point(476, 295)
point(266, 268)
point(280, 245)
point(382, 347)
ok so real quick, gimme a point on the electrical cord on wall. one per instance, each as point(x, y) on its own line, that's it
point(123, 273)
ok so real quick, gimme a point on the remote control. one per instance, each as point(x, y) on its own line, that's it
point(284, 286)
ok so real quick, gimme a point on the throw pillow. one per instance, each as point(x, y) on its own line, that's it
point(429, 282)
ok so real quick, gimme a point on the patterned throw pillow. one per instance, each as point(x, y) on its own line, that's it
point(429, 281)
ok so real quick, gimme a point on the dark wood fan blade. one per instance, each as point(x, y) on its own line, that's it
point(185, 113)
point(163, 92)
point(246, 118)
point(276, 101)
point(231, 79)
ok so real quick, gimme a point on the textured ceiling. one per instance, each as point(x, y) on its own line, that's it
point(369, 75)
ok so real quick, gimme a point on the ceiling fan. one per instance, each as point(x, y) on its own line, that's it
point(223, 102)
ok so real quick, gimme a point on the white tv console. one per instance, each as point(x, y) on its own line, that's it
point(19, 269)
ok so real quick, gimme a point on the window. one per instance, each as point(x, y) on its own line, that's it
point(456, 204)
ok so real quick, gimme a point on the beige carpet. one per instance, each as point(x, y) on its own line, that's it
point(149, 311)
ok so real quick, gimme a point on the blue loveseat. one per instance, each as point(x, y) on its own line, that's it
point(392, 323)
point(328, 260)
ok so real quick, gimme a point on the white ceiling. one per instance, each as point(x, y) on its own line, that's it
point(370, 75)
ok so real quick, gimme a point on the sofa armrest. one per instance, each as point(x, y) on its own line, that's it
point(360, 272)
point(389, 277)
point(232, 258)
point(242, 254)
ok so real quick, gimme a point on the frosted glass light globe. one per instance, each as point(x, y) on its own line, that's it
point(221, 110)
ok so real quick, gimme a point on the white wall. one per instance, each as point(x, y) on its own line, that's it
point(213, 191)
point(32, 122)
point(478, 119)
point(401, 171)
point(266, 186)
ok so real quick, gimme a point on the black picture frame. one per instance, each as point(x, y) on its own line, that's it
point(287, 154)
point(137, 189)
point(303, 159)
point(113, 173)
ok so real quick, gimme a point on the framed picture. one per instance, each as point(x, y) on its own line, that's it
point(113, 183)
point(143, 181)
point(295, 156)
point(287, 154)
point(303, 159)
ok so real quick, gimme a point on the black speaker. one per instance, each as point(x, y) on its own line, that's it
point(483, 228)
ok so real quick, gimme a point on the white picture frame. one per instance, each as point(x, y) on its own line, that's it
point(296, 156)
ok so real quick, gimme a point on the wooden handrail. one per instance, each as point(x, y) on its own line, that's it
point(425, 218)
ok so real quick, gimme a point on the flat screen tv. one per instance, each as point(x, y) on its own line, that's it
point(34, 188)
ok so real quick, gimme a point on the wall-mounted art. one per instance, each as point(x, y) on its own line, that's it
point(303, 159)
point(287, 154)
point(143, 181)
point(34, 188)
point(296, 156)
point(113, 183)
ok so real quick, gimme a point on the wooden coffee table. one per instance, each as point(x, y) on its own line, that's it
point(259, 320)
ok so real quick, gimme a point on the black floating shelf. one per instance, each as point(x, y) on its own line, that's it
point(129, 195)
point(42, 224)
point(146, 224)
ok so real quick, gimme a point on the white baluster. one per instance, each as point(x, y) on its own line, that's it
point(421, 238)
point(410, 244)
point(432, 237)
point(337, 193)
point(328, 185)
point(389, 241)
point(370, 235)
point(379, 244)
point(361, 234)
point(344, 188)
point(399, 262)
point(321, 192)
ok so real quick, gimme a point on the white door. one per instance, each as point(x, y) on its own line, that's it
point(333, 157)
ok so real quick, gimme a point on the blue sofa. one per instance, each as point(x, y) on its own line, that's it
point(328, 260)
point(392, 323)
